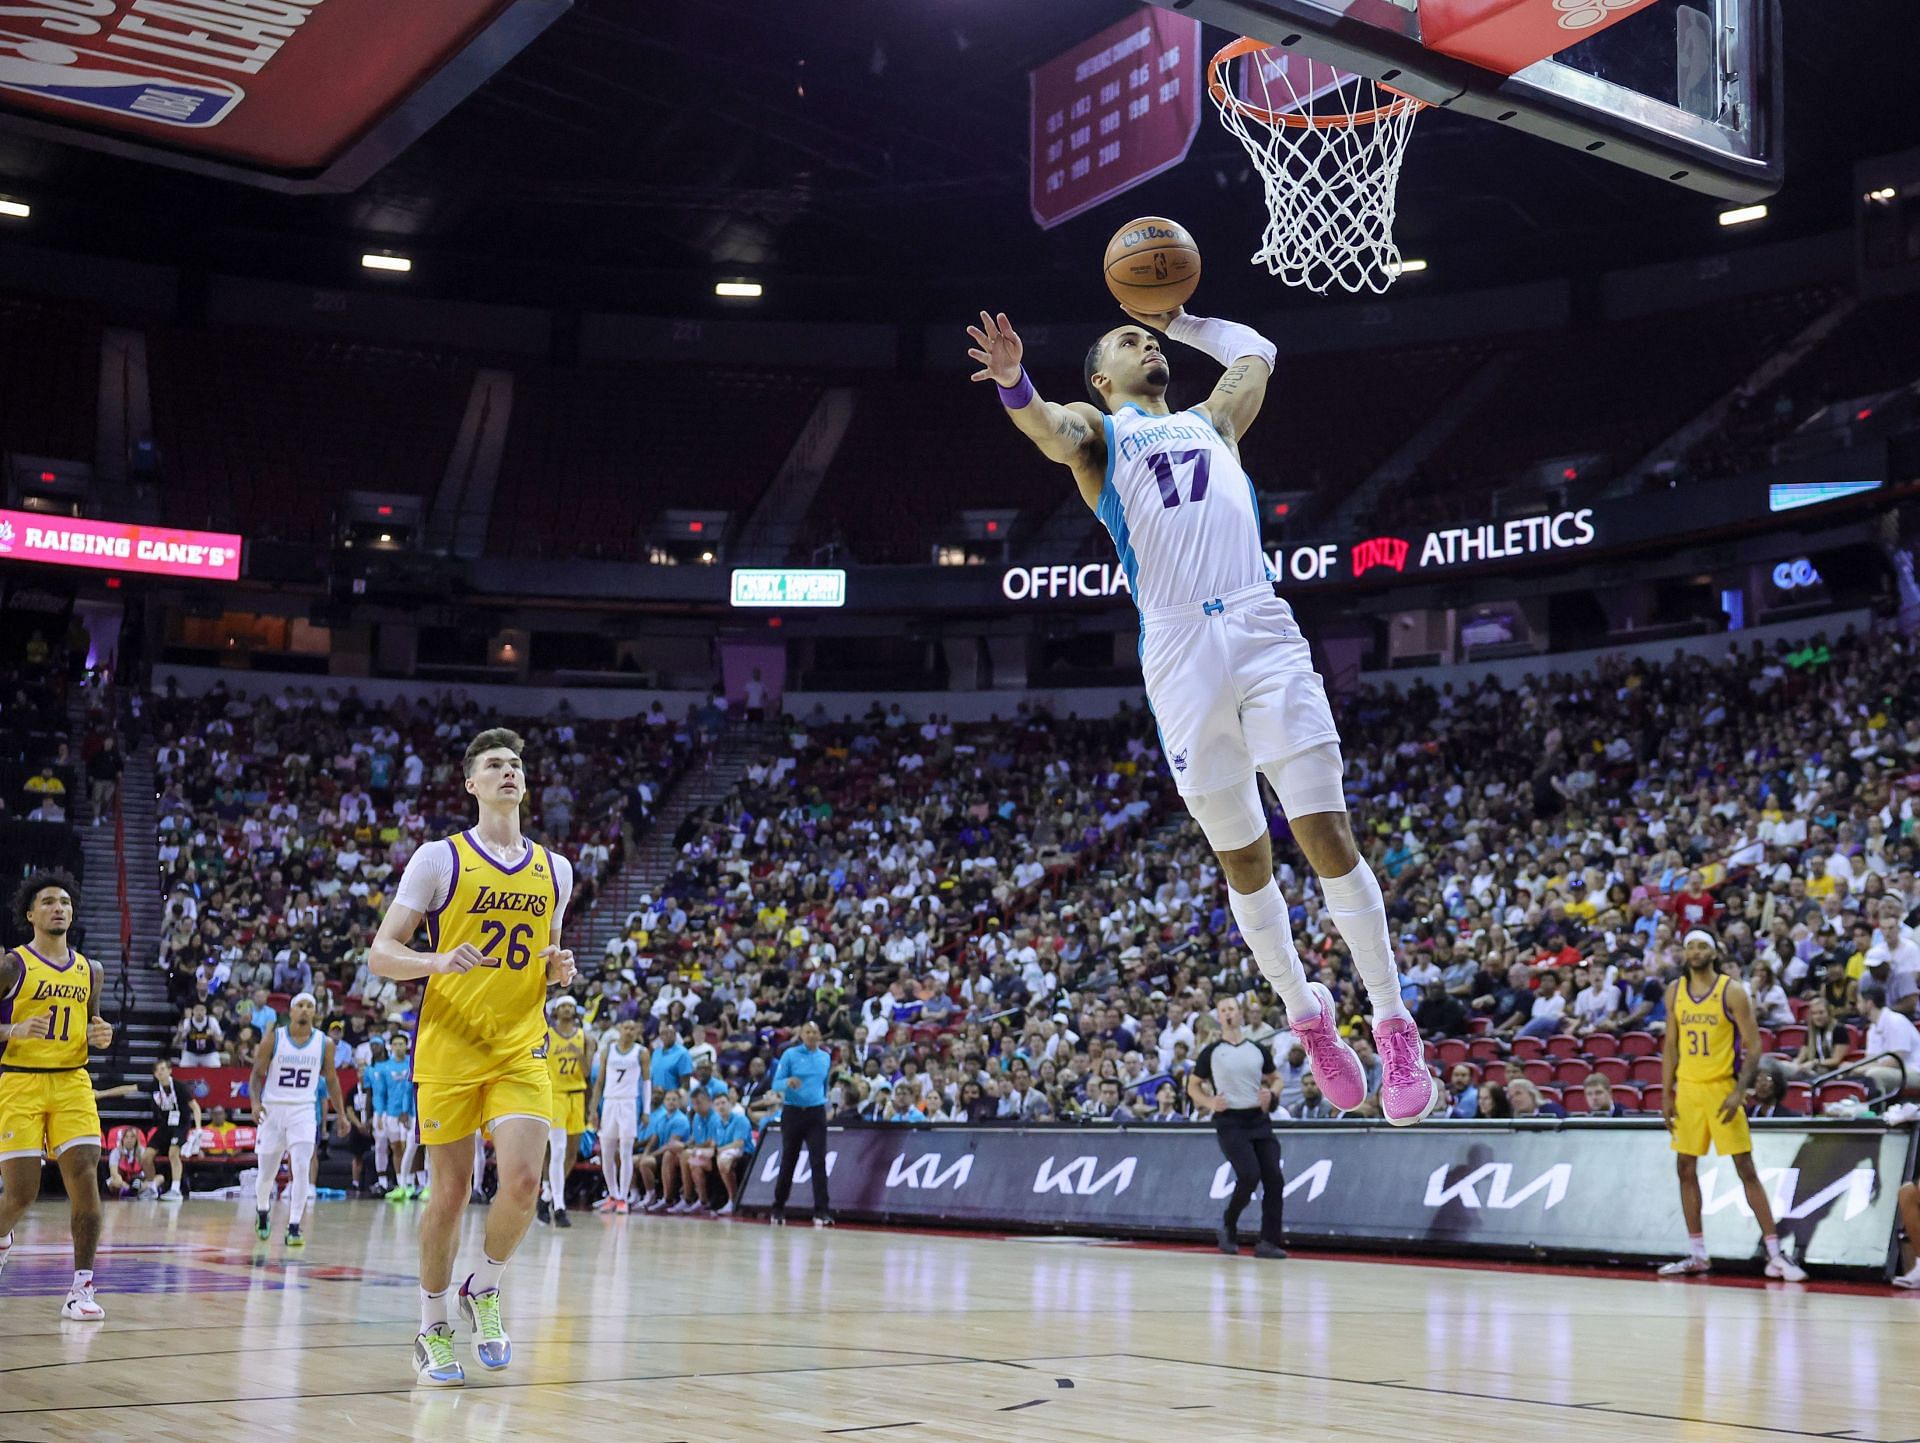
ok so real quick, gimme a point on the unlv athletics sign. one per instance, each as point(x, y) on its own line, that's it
point(1374, 559)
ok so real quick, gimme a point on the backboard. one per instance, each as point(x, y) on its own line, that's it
point(1686, 90)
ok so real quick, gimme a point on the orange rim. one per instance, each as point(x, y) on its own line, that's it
point(1221, 90)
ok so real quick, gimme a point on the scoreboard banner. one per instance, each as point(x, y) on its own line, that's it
point(1112, 112)
point(1553, 1189)
point(119, 546)
point(312, 93)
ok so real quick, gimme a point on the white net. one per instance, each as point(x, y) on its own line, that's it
point(1328, 146)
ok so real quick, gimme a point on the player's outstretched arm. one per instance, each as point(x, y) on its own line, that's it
point(1070, 434)
point(1247, 355)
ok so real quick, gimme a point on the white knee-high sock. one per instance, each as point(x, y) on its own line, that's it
point(408, 1155)
point(479, 1161)
point(625, 1172)
point(1262, 916)
point(263, 1183)
point(382, 1151)
point(557, 1164)
point(610, 1168)
point(1360, 912)
point(297, 1184)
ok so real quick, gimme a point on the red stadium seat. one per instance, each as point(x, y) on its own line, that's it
point(1539, 1071)
point(1799, 1006)
point(1789, 1039)
point(1645, 1070)
point(1563, 1046)
point(1831, 1092)
point(1800, 1096)
point(1650, 1097)
point(1429, 1051)
point(1602, 1044)
point(1856, 1039)
point(1450, 1050)
point(1480, 1026)
point(1526, 1047)
point(1767, 1043)
point(1574, 1100)
point(1549, 1093)
point(1638, 1044)
point(1571, 1071)
point(1483, 1049)
point(1614, 1069)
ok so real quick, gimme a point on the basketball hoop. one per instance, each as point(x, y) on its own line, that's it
point(1328, 145)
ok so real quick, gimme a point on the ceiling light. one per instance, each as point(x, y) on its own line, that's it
point(385, 262)
point(1405, 267)
point(744, 290)
point(1882, 195)
point(1743, 215)
point(18, 209)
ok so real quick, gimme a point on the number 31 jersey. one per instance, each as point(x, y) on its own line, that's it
point(59, 993)
point(478, 1024)
point(1180, 509)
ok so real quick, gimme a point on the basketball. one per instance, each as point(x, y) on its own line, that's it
point(1152, 264)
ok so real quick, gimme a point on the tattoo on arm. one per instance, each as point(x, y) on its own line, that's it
point(1072, 428)
point(1231, 382)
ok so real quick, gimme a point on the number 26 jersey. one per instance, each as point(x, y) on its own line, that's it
point(478, 1024)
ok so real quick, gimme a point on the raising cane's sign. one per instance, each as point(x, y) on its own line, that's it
point(118, 546)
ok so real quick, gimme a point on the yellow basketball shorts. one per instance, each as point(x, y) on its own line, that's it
point(42, 1114)
point(453, 1111)
point(569, 1111)
point(1697, 1124)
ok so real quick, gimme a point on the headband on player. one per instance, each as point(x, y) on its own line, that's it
point(299, 997)
point(1700, 934)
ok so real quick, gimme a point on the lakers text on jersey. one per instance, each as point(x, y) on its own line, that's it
point(46, 1097)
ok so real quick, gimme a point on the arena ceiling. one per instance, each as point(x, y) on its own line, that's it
point(868, 158)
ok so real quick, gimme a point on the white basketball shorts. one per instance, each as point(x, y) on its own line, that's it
point(1232, 687)
point(619, 1122)
point(393, 1129)
point(288, 1125)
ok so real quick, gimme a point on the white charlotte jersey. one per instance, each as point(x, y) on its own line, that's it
point(294, 1073)
point(1180, 509)
point(623, 1075)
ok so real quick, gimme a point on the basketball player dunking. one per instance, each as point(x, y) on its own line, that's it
point(493, 902)
point(1228, 674)
point(1712, 1035)
point(49, 1017)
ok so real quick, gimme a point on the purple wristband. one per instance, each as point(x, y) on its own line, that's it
point(1016, 396)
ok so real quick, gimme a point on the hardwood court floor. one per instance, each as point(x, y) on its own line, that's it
point(654, 1330)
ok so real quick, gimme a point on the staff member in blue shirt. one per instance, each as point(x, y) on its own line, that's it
point(801, 1080)
point(733, 1149)
point(664, 1131)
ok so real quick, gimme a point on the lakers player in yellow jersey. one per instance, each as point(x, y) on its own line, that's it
point(567, 1070)
point(1710, 1055)
point(493, 902)
point(49, 1017)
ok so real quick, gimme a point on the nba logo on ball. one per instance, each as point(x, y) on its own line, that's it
point(1152, 264)
point(93, 81)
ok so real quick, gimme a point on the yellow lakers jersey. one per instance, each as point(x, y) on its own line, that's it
point(477, 1024)
point(1706, 1035)
point(60, 993)
point(567, 1061)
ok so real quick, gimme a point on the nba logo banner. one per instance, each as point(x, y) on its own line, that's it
point(96, 81)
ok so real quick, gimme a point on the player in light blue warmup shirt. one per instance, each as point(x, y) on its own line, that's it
point(666, 1129)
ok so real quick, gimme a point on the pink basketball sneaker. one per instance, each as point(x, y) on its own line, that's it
point(1408, 1091)
point(1336, 1066)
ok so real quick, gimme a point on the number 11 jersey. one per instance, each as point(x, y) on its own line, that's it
point(475, 1025)
point(60, 992)
point(1180, 509)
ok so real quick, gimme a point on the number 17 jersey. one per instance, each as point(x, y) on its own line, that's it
point(478, 1024)
point(1180, 509)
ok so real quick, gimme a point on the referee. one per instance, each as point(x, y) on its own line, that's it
point(800, 1082)
point(1229, 1081)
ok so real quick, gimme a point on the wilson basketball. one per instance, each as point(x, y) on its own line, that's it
point(1152, 264)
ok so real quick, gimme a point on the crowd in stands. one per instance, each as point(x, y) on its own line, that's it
point(285, 823)
point(1015, 919)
